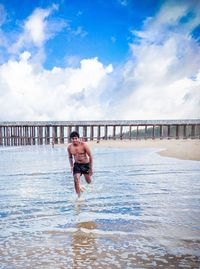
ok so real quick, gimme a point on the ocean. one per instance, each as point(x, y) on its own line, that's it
point(141, 210)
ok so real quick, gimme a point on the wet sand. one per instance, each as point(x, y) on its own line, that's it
point(180, 149)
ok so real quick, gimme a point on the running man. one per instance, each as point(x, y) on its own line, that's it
point(80, 159)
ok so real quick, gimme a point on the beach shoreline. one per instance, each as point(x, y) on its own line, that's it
point(188, 149)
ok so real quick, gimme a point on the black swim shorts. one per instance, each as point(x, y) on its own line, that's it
point(81, 168)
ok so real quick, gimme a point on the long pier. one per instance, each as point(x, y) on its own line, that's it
point(57, 132)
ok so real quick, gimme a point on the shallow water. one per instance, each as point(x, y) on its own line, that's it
point(142, 211)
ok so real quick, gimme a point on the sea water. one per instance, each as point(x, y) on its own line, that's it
point(141, 210)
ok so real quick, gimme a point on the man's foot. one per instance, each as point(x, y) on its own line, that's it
point(82, 189)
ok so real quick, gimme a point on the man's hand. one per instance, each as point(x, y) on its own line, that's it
point(90, 172)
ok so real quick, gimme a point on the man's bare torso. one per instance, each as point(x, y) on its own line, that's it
point(78, 152)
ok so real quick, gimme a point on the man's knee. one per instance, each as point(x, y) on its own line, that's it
point(88, 179)
point(76, 178)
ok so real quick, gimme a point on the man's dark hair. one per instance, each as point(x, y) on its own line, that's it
point(74, 134)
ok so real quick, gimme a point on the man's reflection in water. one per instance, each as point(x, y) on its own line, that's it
point(84, 244)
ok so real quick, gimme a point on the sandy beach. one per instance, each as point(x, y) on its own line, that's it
point(180, 149)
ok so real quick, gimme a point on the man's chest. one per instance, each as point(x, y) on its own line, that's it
point(77, 150)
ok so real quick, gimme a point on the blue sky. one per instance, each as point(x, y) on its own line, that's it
point(89, 28)
point(99, 59)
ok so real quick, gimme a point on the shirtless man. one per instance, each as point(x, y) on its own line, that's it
point(80, 159)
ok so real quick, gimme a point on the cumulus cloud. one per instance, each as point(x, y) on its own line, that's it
point(38, 94)
point(59, 94)
point(160, 80)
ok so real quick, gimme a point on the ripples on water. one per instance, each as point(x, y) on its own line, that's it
point(142, 211)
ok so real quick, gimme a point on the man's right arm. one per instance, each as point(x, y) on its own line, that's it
point(70, 158)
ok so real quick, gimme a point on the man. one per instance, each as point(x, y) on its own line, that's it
point(80, 159)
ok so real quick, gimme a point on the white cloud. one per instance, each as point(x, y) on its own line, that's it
point(37, 29)
point(79, 32)
point(59, 94)
point(160, 80)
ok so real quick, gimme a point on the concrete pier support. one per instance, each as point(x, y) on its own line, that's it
point(177, 132)
point(105, 132)
point(98, 132)
point(145, 132)
point(121, 132)
point(69, 130)
point(137, 132)
point(161, 131)
point(33, 135)
point(62, 135)
point(130, 129)
point(47, 135)
point(91, 132)
point(193, 131)
point(40, 135)
point(168, 131)
point(85, 133)
point(1, 136)
point(114, 132)
point(15, 134)
point(153, 134)
point(77, 129)
point(184, 131)
point(8, 136)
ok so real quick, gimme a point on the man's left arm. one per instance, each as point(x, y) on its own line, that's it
point(89, 154)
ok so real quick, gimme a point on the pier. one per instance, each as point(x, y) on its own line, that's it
point(57, 132)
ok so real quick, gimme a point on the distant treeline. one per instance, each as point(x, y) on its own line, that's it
point(149, 132)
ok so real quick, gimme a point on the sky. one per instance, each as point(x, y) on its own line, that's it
point(99, 60)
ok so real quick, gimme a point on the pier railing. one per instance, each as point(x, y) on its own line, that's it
point(58, 132)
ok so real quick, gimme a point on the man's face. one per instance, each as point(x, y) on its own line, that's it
point(75, 140)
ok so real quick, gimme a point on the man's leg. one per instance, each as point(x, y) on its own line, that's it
point(88, 178)
point(77, 183)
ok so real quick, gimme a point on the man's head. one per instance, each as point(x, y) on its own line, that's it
point(74, 136)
